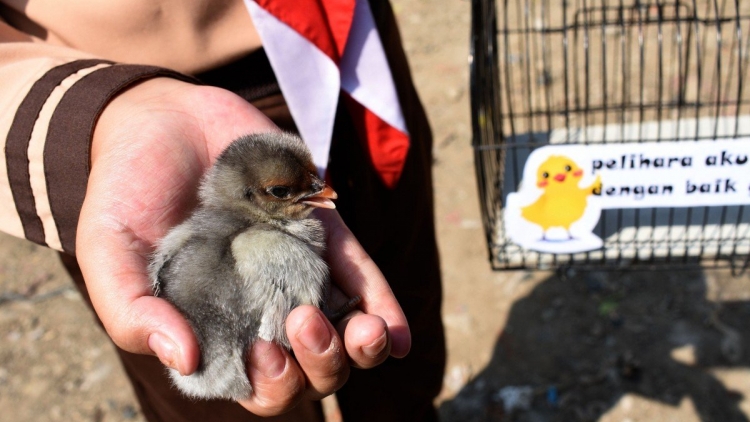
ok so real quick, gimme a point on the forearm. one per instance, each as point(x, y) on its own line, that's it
point(50, 98)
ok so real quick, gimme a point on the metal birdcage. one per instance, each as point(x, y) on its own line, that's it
point(667, 71)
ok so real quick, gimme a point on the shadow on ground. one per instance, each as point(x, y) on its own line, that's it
point(579, 344)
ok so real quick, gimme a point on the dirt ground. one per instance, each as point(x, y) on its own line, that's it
point(585, 346)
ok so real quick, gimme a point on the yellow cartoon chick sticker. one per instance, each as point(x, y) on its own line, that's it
point(558, 212)
point(563, 201)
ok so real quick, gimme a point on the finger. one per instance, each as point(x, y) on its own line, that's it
point(278, 383)
point(356, 273)
point(366, 339)
point(318, 350)
point(136, 321)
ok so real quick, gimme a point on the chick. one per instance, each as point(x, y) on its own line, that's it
point(562, 203)
point(245, 258)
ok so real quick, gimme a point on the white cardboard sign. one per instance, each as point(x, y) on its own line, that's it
point(565, 187)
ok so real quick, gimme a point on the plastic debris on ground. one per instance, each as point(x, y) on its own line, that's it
point(516, 397)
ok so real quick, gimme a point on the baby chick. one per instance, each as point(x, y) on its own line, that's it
point(562, 203)
point(245, 258)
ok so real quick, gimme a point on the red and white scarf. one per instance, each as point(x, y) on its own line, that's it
point(318, 48)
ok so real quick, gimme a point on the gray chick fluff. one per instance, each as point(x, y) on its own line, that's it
point(245, 258)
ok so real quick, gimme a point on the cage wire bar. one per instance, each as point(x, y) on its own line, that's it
point(542, 70)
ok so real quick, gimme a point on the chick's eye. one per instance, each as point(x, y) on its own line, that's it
point(280, 192)
point(545, 175)
point(567, 168)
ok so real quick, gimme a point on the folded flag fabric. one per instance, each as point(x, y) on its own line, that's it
point(319, 48)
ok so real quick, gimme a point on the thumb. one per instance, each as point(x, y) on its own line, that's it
point(120, 292)
point(154, 327)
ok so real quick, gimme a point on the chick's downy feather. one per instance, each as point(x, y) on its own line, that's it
point(245, 258)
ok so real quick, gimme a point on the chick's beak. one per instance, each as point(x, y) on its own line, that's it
point(321, 199)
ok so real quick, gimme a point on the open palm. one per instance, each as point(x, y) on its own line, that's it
point(151, 146)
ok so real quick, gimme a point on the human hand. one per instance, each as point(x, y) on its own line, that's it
point(151, 146)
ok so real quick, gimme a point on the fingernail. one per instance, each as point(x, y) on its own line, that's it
point(314, 334)
point(165, 349)
point(374, 349)
point(267, 359)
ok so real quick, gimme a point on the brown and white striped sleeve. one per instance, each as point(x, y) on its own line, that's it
point(50, 99)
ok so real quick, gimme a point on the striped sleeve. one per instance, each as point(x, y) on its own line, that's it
point(50, 99)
